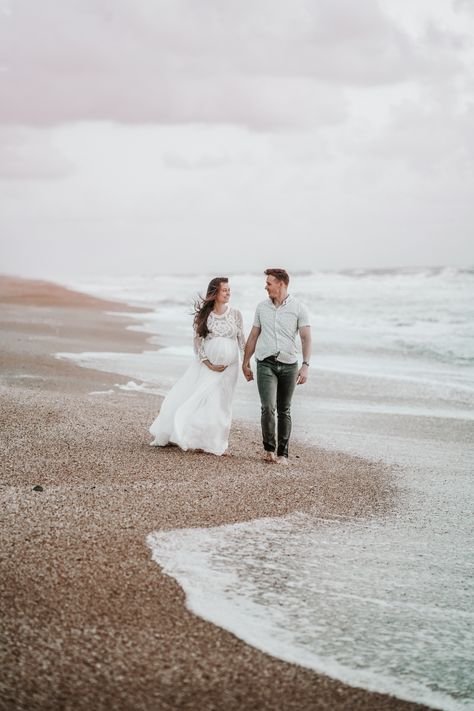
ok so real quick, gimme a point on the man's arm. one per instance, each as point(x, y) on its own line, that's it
point(249, 351)
point(305, 335)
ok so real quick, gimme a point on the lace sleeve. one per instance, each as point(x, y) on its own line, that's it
point(240, 332)
point(198, 344)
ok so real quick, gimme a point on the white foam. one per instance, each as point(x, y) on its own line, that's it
point(179, 351)
point(267, 583)
point(149, 366)
point(131, 386)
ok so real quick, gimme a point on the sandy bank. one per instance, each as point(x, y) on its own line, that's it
point(89, 621)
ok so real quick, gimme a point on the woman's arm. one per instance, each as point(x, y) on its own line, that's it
point(240, 332)
point(200, 353)
point(198, 344)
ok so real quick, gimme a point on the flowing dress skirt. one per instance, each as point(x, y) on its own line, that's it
point(197, 411)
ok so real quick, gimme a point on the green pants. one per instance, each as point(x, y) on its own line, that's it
point(276, 383)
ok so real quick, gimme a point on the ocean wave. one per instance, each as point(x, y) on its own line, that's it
point(440, 355)
point(422, 312)
point(293, 587)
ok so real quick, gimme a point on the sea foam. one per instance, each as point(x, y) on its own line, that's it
point(331, 595)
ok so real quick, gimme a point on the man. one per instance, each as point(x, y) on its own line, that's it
point(273, 339)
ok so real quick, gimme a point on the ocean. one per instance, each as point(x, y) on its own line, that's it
point(386, 602)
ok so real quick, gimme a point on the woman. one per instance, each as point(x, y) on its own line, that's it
point(197, 412)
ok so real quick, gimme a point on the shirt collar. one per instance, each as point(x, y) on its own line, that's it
point(283, 303)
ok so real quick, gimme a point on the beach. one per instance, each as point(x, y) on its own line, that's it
point(90, 620)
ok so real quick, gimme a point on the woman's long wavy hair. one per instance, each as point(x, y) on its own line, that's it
point(204, 306)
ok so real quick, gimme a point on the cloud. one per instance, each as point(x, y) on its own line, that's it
point(266, 64)
point(463, 6)
point(430, 140)
point(30, 154)
point(146, 133)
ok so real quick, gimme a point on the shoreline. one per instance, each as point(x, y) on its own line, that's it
point(93, 622)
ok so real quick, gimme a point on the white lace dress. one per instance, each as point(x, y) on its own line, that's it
point(197, 412)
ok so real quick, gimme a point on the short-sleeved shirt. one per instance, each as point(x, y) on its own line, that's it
point(279, 326)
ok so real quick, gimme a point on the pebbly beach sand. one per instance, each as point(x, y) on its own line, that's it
point(89, 621)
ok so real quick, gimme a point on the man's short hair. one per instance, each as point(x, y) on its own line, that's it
point(280, 274)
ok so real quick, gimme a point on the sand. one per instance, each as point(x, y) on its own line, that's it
point(88, 620)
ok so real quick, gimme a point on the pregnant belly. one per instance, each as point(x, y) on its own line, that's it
point(222, 351)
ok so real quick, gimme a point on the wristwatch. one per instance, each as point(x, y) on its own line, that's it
point(305, 362)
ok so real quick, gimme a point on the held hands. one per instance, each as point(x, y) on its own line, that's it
point(302, 375)
point(301, 380)
point(247, 371)
point(215, 368)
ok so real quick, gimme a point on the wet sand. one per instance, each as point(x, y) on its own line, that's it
point(89, 621)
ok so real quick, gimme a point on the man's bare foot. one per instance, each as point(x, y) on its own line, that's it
point(269, 457)
point(282, 460)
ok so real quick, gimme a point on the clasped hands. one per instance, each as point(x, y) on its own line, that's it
point(247, 371)
point(301, 379)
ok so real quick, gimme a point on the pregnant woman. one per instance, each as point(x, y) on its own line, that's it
point(197, 412)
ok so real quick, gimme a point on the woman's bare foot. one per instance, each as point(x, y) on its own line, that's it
point(269, 457)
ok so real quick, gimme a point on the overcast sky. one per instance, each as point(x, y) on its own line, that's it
point(230, 135)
